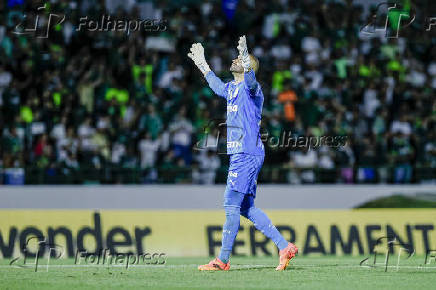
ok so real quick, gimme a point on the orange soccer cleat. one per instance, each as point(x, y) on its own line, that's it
point(286, 255)
point(215, 265)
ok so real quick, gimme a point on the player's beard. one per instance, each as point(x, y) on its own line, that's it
point(236, 68)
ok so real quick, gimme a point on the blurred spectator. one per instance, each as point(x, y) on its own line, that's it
point(304, 161)
point(148, 149)
point(208, 164)
point(181, 129)
point(89, 100)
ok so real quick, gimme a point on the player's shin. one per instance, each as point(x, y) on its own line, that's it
point(230, 230)
point(264, 225)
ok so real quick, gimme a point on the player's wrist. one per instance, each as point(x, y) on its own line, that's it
point(246, 63)
point(204, 67)
point(243, 53)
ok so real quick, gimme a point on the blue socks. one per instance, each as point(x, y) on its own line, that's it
point(265, 226)
point(230, 230)
point(235, 204)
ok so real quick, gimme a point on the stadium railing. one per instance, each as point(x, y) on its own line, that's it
point(178, 175)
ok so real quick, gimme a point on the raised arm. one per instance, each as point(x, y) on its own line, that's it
point(216, 84)
point(249, 64)
point(197, 55)
point(250, 82)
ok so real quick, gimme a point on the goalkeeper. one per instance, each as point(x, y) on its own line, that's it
point(244, 108)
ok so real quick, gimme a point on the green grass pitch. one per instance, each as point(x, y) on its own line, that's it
point(304, 272)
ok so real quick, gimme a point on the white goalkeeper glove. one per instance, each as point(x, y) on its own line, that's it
point(197, 55)
point(243, 53)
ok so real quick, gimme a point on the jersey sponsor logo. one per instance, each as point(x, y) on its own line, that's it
point(233, 94)
point(232, 182)
point(231, 109)
point(233, 144)
point(233, 174)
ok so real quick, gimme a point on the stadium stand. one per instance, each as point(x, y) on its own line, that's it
point(115, 107)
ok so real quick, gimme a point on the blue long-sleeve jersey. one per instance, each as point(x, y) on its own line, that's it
point(244, 112)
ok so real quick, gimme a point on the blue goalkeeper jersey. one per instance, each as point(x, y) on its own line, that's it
point(244, 112)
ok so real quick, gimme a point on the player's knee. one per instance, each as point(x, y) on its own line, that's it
point(258, 217)
point(232, 210)
point(252, 212)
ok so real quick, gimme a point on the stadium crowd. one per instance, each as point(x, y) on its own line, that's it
point(92, 100)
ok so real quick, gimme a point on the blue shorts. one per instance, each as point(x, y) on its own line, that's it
point(243, 172)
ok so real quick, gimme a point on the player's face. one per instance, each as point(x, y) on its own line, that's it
point(236, 66)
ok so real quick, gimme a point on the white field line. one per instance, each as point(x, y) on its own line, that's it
point(196, 265)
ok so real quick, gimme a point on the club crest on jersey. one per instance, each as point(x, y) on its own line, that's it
point(233, 94)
